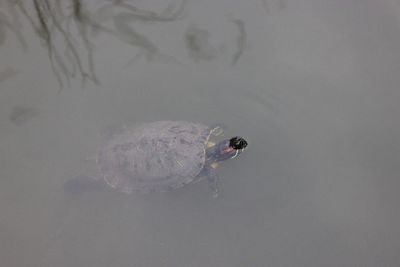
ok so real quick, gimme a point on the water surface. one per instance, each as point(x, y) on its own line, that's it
point(313, 86)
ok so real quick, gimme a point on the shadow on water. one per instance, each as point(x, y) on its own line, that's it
point(273, 6)
point(21, 115)
point(82, 184)
point(7, 73)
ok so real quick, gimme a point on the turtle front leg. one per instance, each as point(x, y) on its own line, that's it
point(213, 180)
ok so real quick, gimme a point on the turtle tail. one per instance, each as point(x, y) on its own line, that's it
point(82, 184)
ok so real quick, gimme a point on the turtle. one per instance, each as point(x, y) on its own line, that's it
point(159, 156)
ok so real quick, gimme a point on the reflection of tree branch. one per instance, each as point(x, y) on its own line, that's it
point(241, 40)
point(47, 21)
point(82, 20)
point(4, 23)
point(169, 14)
point(52, 19)
point(72, 49)
point(45, 34)
point(127, 34)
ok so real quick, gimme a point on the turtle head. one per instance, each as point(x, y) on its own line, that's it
point(238, 143)
point(228, 149)
point(236, 146)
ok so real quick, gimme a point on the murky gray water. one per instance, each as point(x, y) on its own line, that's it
point(313, 86)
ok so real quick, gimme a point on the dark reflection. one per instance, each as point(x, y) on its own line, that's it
point(197, 43)
point(64, 27)
point(241, 40)
point(20, 115)
point(8, 73)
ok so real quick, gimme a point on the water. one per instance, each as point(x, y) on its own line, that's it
point(313, 86)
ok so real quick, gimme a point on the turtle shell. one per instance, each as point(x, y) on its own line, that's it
point(157, 156)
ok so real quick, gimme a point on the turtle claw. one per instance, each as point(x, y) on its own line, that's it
point(217, 129)
point(212, 178)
